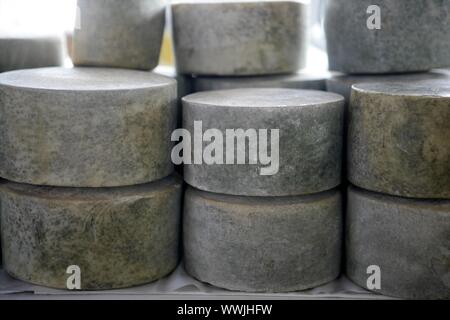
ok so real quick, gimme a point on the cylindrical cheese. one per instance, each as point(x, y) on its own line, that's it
point(27, 51)
point(398, 247)
point(387, 36)
point(118, 33)
point(240, 37)
point(117, 237)
point(86, 127)
point(304, 155)
point(262, 244)
point(399, 138)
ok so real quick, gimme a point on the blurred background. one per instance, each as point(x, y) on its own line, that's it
point(58, 17)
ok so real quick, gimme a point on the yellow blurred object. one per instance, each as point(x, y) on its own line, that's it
point(166, 57)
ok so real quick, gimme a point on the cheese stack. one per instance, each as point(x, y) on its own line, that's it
point(263, 212)
point(389, 41)
point(398, 160)
point(399, 155)
point(85, 152)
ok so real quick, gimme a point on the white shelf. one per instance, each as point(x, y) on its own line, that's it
point(179, 286)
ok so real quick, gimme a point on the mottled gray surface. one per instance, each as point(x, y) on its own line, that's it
point(86, 127)
point(310, 146)
point(240, 37)
point(300, 80)
point(119, 237)
point(412, 37)
point(28, 51)
point(118, 33)
point(408, 239)
point(262, 244)
point(342, 84)
point(399, 138)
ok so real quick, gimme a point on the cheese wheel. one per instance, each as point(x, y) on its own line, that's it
point(260, 244)
point(86, 127)
point(407, 240)
point(387, 36)
point(117, 237)
point(240, 37)
point(117, 33)
point(304, 158)
point(26, 51)
point(399, 138)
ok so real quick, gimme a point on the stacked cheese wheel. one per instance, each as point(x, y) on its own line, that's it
point(243, 44)
point(86, 155)
point(399, 155)
point(398, 158)
point(256, 221)
point(257, 225)
point(389, 36)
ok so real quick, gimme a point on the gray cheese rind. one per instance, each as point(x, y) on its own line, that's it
point(412, 37)
point(301, 80)
point(342, 84)
point(86, 127)
point(28, 51)
point(408, 239)
point(118, 33)
point(240, 37)
point(118, 237)
point(263, 244)
point(398, 140)
point(310, 142)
